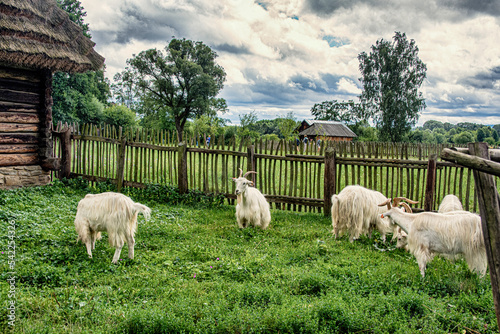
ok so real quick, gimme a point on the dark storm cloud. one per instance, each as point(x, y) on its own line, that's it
point(484, 80)
point(462, 7)
point(233, 49)
point(471, 7)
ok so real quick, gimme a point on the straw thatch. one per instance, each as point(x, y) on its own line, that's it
point(38, 34)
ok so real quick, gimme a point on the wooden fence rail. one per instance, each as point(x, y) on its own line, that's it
point(298, 178)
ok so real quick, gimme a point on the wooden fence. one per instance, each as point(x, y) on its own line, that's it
point(298, 178)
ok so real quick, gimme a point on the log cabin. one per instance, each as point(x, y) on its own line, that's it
point(325, 130)
point(37, 39)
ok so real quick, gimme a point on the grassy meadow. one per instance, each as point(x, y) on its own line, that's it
point(195, 272)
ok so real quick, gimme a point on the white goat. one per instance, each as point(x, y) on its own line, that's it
point(355, 211)
point(252, 208)
point(448, 234)
point(450, 203)
point(111, 212)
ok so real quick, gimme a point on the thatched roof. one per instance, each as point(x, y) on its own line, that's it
point(327, 129)
point(38, 34)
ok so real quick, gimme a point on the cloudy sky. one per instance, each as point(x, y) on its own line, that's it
point(287, 55)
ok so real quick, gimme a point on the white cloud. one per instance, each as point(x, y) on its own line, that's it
point(276, 59)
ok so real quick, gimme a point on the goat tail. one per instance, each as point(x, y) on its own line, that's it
point(146, 212)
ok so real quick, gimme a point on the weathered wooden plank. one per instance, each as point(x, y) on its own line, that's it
point(17, 138)
point(19, 148)
point(19, 97)
point(16, 127)
point(24, 118)
point(480, 164)
point(19, 159)
point(489, 206)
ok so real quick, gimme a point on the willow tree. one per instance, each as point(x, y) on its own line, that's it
point(391, 76)
point(180, 84)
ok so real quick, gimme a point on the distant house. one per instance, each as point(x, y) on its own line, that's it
point(37, 39)
point(325, 130)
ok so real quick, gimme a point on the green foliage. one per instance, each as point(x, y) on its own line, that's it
point(391, 75)
point(463, 137)
point(287, 126)
point(247, 122)
point(119, 115)
point(76, 13)
point(346, 112)
point(74, 93)
point(177, 85)
point(195, 272)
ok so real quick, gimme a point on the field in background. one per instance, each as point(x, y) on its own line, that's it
point(292, 177)
point(196, 272)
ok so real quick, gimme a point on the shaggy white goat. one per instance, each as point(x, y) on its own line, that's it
point(355, 211)
point(252, 207)
point(448, 234)
point(111, 212)
point(450, 203)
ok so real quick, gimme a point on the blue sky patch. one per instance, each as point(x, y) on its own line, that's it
point(335, 42)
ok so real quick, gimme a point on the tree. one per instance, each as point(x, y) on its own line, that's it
point(347, 112)
point(463, 137)
point(180, 84)
point(391, 75)
point(119, 115)
point(247, 121)
point(287, 126)
point(480, 135)
point(73, 92)
point(431, 125)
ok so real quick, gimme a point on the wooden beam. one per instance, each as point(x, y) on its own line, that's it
point(16, 127)
point(430, 187)
point(494, 153)
point(19, 97)
point(19, 148)
point(478, 163)
point(489, 207)
point(17, 138)
point(12, 117)
point(18, 159)
point(329, 180)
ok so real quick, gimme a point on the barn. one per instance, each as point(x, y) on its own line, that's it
point(37, 40)
point(325, 130)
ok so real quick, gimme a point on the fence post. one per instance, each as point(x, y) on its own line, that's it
point(430, 187)
point(182, 175)
point(330, 180)
point(251, 162)
point(489, 207)
point(65, 153)
point(120, 166)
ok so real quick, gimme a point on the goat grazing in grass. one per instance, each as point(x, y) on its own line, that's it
point(449, 204)
point(448, 234)
point(111, 212)
point(252, 208)
point(355, 211)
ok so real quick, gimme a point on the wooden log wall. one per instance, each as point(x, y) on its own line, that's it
point(22, 116)
point(291, 177)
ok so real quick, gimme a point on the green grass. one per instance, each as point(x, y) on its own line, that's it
point(196, 272)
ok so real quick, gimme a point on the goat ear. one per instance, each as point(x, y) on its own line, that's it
point(250, 183)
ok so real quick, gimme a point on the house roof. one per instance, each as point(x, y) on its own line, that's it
point(327, 129)
point(38, 34)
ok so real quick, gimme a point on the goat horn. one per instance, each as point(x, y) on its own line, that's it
point(241, 172)
point(249, 173)
point(407, 207)
point(388, 203)
point(396, 200)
